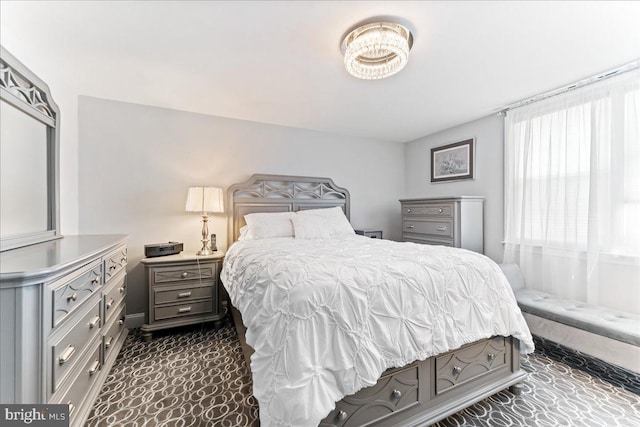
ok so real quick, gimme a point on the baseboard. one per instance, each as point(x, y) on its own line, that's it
point(612, 351)
point(134, 320)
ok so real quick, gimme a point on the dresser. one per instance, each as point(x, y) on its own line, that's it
point(62, 307)
point(183, 289)
point(447, 221)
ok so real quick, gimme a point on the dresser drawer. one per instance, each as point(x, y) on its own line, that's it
point(183, 310)
point(114, 262)
point(442, 228)
point(115, 292)
point(426, 241)
point(179, 274)
point(437, 210)
point(67, 350)
point(113, 330)
point(176, 295)
point(70, 293)
point(470, 362)
point(394, 393)
point(87, 375)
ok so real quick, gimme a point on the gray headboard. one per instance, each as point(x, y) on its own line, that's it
point(280, 193)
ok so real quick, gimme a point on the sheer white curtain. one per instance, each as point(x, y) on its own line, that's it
point(572, 193)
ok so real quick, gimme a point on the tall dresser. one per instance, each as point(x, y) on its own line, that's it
point(62, 307)
point(448, 221)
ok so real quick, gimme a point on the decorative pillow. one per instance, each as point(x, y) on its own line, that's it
point(330, 222)
point(310, 227)
point(266, 225)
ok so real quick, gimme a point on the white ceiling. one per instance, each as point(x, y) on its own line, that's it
point(280, 62)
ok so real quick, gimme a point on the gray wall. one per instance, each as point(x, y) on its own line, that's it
point(135, 163)
point(489, 174)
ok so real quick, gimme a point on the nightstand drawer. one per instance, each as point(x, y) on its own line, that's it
point(178, 274)
point(442, 228)
point(177, 295)
point(114, 262)
point(183, 310)
point(67, 350)
point(115, 292)
point(470, 362)
point(439, 210)
point(69, 294)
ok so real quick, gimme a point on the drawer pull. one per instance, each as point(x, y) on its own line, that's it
point(123, 259)
point(121, 321)
point(184, 294)
point(443, 228)
point(66, 355)
point(408, 210)
point(491, 357)
point(94, 367)
point(95, 321)
point(409, 226)
point(397, 394)
point(457, 370)
point(342, 415)
point(107, 342)
point(440, 210)
point(184, 309)
point(72, 297)
point(71, 408)
point(122, 288)
point(95, 280)
point(113, 267)
point(184, 274)
point(109, 304)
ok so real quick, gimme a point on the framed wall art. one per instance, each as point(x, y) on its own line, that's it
point(453, 162)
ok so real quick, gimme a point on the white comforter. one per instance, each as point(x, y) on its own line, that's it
point(327, 317)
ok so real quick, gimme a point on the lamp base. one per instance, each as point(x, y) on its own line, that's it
point(204, 251)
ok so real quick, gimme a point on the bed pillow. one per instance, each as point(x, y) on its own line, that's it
point(330, 222)
point(245, 234)
point(266, 225)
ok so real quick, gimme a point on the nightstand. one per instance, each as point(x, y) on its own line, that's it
point(374, 234)
point(182, 290)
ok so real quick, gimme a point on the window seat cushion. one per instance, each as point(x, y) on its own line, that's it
point(607, 322)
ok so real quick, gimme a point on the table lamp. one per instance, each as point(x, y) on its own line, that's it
point(205, 200)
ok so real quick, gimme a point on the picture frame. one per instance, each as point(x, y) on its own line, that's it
point(453, 162)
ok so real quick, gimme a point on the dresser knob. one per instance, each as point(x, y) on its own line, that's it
point(342, 415)
point(109, 304)
point(443, 228)
point(71, 408)
point(107, 342)
point(121, 321)
point(122, 288)
point(96, 280)
point(72, 297)
point(491, 357)
point(94, 367)
point(440, 210)
point(396, 394)
point(185, 274)
point(95, 321)
point(113, 267)
point(66, 355)
point(184, 309)
point(408, 210)
point(409, 226)
point(457, 370)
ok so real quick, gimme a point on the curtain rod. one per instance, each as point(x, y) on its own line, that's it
point(631, 66)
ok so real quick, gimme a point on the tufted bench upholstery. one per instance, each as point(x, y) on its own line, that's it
point(614, 324)
point(610, 323)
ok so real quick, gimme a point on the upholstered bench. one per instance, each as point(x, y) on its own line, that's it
point(610, 335)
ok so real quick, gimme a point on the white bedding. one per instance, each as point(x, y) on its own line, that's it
point(327, 317)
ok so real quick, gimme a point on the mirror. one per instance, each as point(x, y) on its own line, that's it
point(28, 157)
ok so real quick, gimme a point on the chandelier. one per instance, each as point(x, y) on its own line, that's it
point(377, 50)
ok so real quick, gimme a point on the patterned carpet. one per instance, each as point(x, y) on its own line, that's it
point(197, 377)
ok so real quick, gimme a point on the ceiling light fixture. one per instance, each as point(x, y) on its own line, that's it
point(377, 50)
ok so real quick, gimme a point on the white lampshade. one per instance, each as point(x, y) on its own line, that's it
point(204, 199)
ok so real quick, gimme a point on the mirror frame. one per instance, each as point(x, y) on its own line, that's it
point(21, 88)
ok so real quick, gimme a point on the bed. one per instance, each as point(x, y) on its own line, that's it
point(339, 323)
